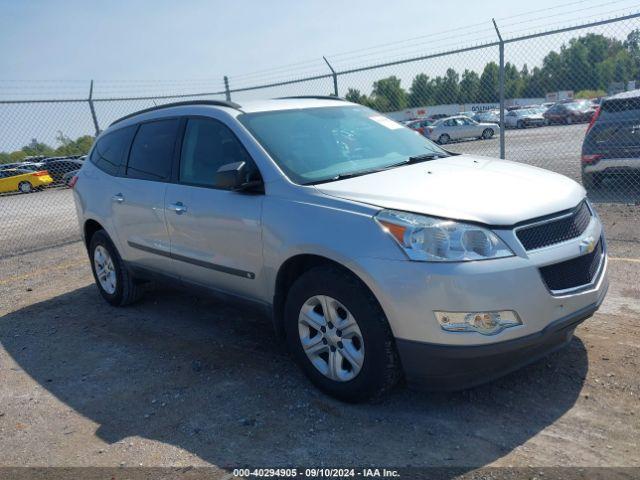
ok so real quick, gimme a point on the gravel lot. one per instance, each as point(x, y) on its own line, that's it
point(180, 379)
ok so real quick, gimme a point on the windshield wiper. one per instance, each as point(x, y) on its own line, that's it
point(424, 157)
point(413, 159)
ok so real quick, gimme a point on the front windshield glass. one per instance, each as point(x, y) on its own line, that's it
point(314, 145)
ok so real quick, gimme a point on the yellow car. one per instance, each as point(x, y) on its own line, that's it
point(25, 181)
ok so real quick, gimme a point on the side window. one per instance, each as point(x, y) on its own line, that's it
point(111, 149)
point(208, 144)
point(152, 150)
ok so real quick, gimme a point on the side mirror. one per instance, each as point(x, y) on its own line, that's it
point(235, 176)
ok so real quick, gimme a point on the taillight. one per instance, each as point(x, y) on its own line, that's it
point(593, 118)
point(73, 181)
point(41, 173)
point(589, 159)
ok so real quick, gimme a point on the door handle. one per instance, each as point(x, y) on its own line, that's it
point(117, 198)
point(178, 207)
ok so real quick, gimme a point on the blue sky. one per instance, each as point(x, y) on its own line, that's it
point(50, 49)
point(200, 39)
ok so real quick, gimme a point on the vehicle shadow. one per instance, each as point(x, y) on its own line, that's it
point(623, 189)
point(210, 378)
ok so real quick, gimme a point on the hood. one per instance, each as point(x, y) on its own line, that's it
point(464, 187)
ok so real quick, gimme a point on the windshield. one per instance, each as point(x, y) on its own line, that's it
point(579, 105)
point(313, 145)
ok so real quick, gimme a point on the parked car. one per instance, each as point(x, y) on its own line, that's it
point(570, 112)
point(67, 178)
point(10, 166)
point(457, 128)
point(419, 125)
point(523, 119)
point(437, 116)
point(24, 181)
point(488, 116)
point(611, 146)
point(59, 167)
point(377, 253)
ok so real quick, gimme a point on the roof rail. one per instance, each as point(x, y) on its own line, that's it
point(217, 103)
point(318, 97)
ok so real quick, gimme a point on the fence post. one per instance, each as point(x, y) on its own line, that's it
point(334, 75)
point(93, 110)
point(502, 125)
point(227, 92)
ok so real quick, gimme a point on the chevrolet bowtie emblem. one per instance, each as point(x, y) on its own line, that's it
point(587, 245)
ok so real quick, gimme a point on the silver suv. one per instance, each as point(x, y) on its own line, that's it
point(378, 254)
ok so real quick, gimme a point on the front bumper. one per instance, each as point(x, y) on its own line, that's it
point(410, 293)
point(444, 367)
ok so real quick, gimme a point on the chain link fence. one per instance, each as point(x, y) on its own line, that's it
point(545, 99)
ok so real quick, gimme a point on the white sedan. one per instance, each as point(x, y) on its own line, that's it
point(459, 127)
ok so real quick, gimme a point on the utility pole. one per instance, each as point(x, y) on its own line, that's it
point(227, 92)
point(502, 126)
point(93, 110)
point(334, 75)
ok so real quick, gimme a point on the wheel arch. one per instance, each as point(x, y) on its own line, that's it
point(89, 228)
point(290, 270)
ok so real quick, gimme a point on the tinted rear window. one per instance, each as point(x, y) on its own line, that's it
point(111, 149)
point(621, 105)
point(152, 150)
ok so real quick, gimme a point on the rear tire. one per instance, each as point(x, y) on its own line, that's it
point(25, 187)
point(106, 261)
point(591, 181)
point(379, 368)
point(444, 139)
point(520, 124)
point(487, 133)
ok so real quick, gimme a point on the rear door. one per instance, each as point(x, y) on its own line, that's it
point(138, 196)
point(215, 234)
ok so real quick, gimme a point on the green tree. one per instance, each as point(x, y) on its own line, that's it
point(421, 91)
point(354, 95)
point(489, 84)
point(388, 95)
point(469, 87)
point(37, 148)
point(513, 85)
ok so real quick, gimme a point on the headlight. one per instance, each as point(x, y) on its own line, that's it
point(429, 239)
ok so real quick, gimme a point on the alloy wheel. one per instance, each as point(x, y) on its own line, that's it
point(105, 269)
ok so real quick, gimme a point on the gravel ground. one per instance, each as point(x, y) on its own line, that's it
point(179, 380)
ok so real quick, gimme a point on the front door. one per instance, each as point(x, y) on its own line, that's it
point(215, 234)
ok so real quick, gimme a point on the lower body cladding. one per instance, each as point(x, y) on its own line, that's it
point(414, 296)
point(613, 166)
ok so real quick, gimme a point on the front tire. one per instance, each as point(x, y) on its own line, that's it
point(444, 139)
point(339, 335)
point(25, 187)
point(114, 281)
point(487, 133)
point(591, 181)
